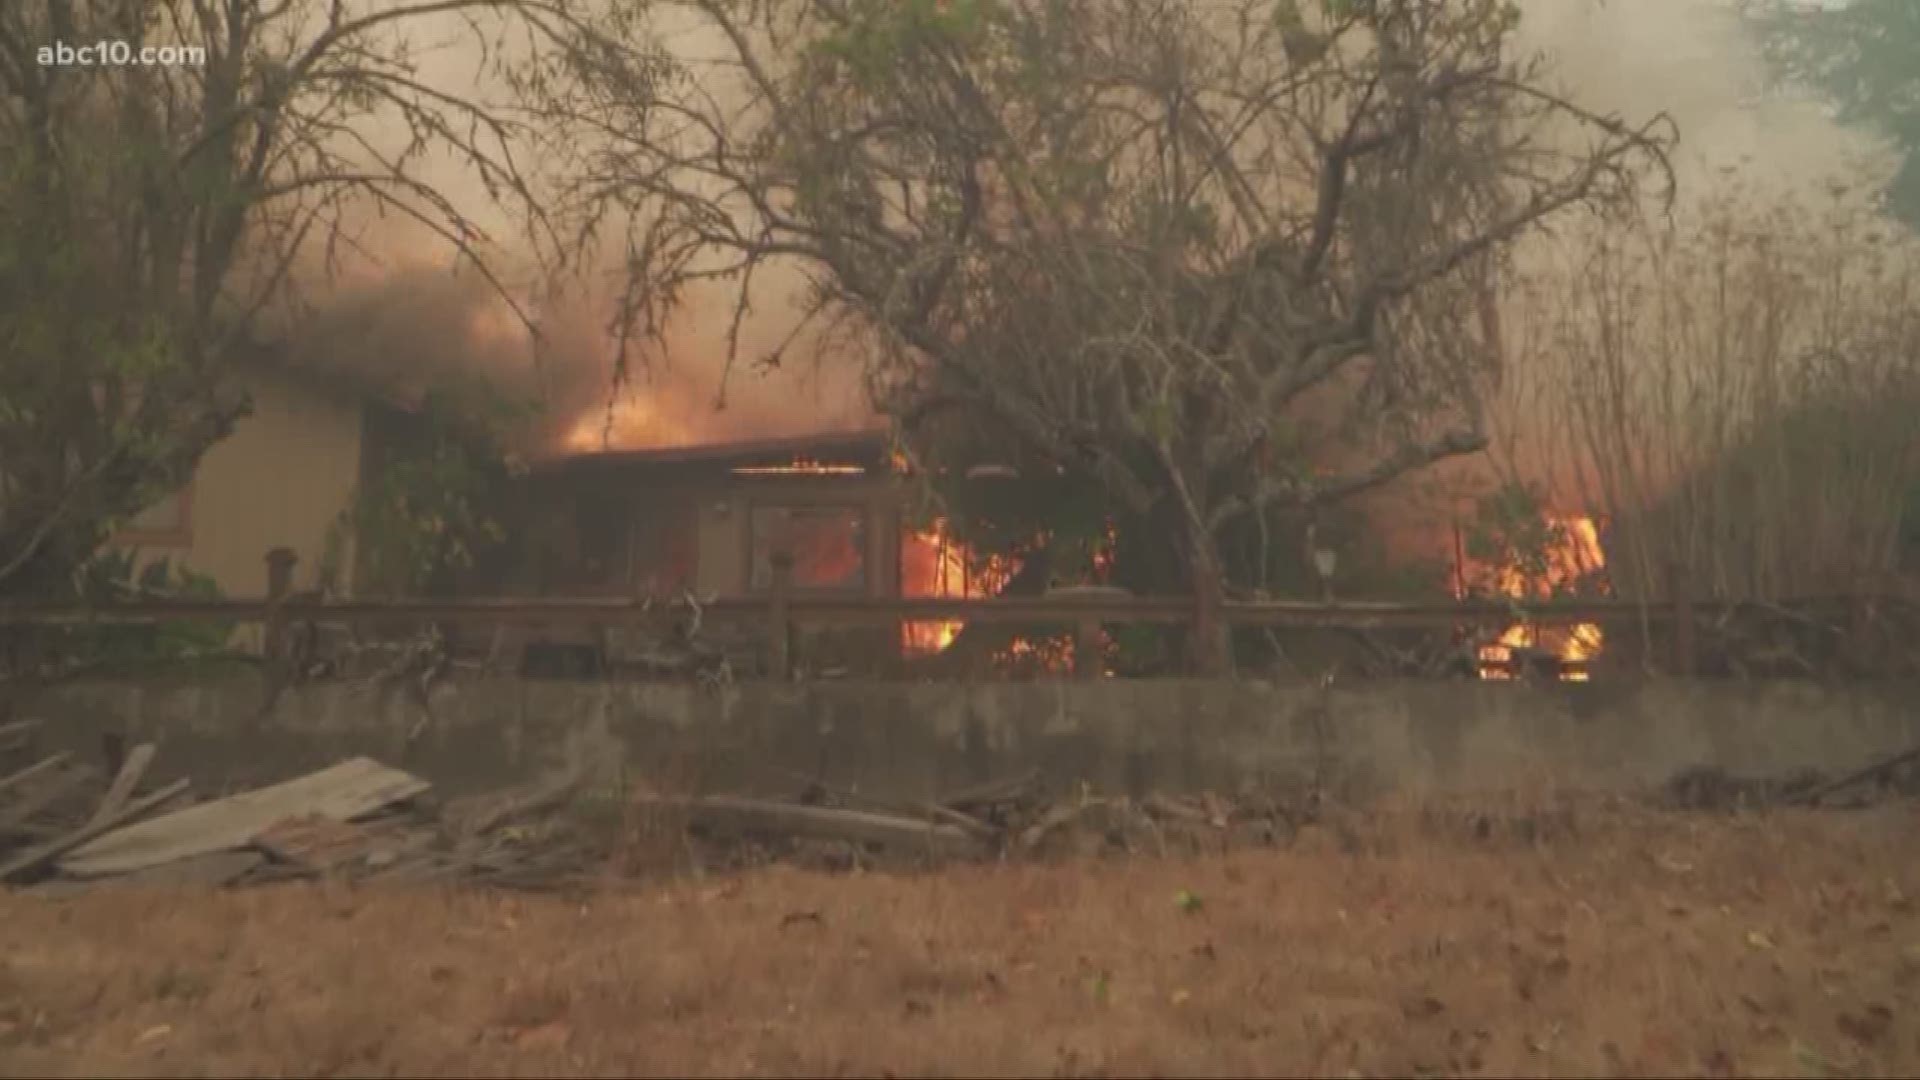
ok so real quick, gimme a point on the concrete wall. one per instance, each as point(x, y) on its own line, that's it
point(915, 741)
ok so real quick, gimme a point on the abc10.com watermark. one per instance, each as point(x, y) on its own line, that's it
point(113, 53)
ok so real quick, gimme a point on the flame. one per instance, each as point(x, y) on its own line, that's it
point(635, 422)
point(933, 565)
point(1577, 557)
point(801, 467)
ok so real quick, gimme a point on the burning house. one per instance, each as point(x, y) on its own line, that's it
point(708, 519)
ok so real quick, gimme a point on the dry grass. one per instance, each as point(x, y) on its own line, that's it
point(1622, 943)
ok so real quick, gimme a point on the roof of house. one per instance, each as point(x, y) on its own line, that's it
point(854, 446)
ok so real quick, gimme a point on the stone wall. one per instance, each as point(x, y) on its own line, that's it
point(907, 740)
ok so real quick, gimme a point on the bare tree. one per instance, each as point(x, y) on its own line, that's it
point(1216, 258)
point(149, 212)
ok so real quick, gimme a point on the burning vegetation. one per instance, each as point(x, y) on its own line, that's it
point(1561, 557)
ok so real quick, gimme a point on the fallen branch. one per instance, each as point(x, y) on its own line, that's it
point(1010, 789)
point(1877, 769)
point(860, 826)
point(1053, 819)
point(980, 830)
point(539, 799)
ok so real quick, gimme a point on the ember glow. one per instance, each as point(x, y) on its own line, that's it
point(802, 467)
point(1577, 556)
point(933, 565)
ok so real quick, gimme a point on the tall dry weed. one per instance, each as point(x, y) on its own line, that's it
point(1736, 393)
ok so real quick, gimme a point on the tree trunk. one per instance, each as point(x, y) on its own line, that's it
point(1208, 654)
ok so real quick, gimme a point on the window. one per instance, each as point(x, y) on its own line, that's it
point(829, 545)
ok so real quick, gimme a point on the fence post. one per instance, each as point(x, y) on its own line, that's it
point(780, 617)
point(280, 563)
point(1683, 622)
point(1086, 648)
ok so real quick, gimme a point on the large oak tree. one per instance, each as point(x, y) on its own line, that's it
point(1215, 258)
point(149, 214)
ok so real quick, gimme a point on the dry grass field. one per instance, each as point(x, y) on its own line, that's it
point(1630, 943)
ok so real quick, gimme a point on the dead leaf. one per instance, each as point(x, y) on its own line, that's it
point(1423, 1007)
point(553, 1033)
point(1867, 1026)
point(1672, 865)
point(1813, 1060)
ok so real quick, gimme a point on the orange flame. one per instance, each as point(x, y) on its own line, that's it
point(801, 467)
point(933, 565)
point(633, 423)
point(1577, 556)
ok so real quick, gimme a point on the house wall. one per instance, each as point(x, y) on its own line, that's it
point(722, 556)
point(281, 479)
point(563, 520)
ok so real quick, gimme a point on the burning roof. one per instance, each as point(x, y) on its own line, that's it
point(850, 453)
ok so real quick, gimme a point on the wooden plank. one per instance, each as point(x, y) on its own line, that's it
point(131, 770)
point(38, 857)
point(45, 765)
point(783, 819)
point(212, 870)
point(49, 791)
point(17, 735)
point(324, 845)
point(540, 798)
point(209, 871)
point(340, 793)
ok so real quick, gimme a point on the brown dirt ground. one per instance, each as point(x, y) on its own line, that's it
point(1633, 944)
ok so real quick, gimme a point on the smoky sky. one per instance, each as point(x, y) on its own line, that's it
point(403, 315)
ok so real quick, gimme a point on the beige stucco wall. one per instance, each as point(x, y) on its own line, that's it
point(280, 480)
point(722, 553)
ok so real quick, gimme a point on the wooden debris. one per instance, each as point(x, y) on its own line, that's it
point(859, 826)
point(38, 857)
point(1874, 771)
point(1011, 789)
point(540, 798)
point(967, 823)
point(26, 775)
point(980, 830)
point(132, 768)
point(343, 792)
point(17, 735)
point(1162, 806)
point(323, 845)
point(212, 870)
point(50, 789)
point(1053, 819)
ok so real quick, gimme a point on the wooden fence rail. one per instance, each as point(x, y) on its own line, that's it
point(1082, 616)
point(814, 608)
point(862, 611)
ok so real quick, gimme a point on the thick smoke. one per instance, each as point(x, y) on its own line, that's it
point(407, 321)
